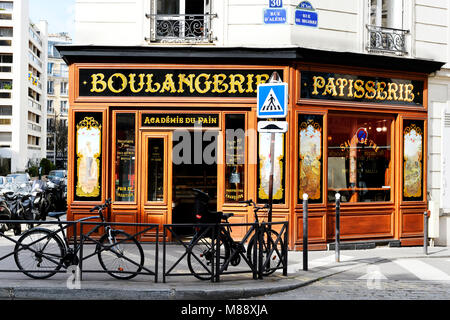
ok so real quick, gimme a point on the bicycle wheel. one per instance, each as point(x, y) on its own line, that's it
point(202, 255)
point(39, 253)
point(276, 252)
point(121, 257)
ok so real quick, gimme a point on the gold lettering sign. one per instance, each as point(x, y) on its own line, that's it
point(320, 85)
point(158, 82)
point(180, 120)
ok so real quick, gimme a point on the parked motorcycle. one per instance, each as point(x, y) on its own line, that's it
point(14, 204)
point(56, 194)
point(39, 202)
point(5, 214)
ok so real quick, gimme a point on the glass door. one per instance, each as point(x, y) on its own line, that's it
point(156, 179)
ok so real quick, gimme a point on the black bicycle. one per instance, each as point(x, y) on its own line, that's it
point(40, 252)
point(203, 249)
point(271, 246)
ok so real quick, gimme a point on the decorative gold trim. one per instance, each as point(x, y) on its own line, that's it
point(88, 123)
point(314, 164)
point(280, 192)
point(412, 168)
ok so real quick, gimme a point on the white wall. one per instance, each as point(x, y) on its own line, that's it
point(431, 29)
point(111, 22)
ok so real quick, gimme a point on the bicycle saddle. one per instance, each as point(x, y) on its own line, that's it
point(226, 215)
point(56, 214)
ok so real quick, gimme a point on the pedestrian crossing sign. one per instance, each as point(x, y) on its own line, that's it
point(272, 100)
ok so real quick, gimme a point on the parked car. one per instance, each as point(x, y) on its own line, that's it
point(20, 178)
point(62, 174)
point(3, 181)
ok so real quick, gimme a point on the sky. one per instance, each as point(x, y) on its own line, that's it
point(60, 14)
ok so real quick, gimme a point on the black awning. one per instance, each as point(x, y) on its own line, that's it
point(240, 55)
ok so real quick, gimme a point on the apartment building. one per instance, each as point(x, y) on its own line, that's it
point(57, 101)
point(370, 79)
point(23, 52)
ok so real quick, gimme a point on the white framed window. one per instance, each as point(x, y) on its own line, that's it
point(386, 13)
point(185, 20)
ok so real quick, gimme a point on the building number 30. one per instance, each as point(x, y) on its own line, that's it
point(276, 3)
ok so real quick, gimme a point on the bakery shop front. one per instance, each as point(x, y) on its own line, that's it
point(146, 125)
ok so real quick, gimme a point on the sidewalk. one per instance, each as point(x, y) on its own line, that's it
point(321, 264)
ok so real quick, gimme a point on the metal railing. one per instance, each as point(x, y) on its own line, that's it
point(381, 39)
point(181, 28)
point(244, 256)
point(250, 255)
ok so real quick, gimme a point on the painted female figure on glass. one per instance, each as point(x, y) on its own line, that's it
point(310, 157)
point(88, 138)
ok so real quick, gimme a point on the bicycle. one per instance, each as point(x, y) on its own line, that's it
point(202, 249)
point(40, 253)
point(273, 249)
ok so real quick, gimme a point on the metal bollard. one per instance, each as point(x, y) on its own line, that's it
point(337, 228)
point(425, 232)
point(305, 232)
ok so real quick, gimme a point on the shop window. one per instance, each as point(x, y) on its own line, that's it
point(359, 158)
point(88, 156)
point(155, 169)
point(413, 138)
point(234, 157)
point(125, 157)
point(310, 135)
point(263, 168)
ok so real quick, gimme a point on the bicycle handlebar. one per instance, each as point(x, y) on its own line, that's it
point(102, 206)
point(252, 203)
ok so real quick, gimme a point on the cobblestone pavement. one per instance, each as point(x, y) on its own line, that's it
point(396, 279)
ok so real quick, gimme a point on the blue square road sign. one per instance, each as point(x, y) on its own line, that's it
point(272, 99)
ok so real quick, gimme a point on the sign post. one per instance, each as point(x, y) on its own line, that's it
point(272, 103)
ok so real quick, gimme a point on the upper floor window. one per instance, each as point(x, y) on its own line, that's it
point(50, 87)
point(6, 5)
point(181, 21)
point(64, 86)
point(50, 68)
point(386, 27)
point(386, 13)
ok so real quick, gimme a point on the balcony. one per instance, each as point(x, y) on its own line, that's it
point(388, 40)
point(181, 28)
point(34, 127)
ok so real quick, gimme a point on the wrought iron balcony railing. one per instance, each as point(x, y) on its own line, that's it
point(181, 28)
point(390, 40)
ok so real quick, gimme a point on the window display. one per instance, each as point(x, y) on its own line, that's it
point(359, 158)
point(125, 157)
point(234, 157)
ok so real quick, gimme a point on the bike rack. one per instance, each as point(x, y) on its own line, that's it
point(64, 226)
point(217, 268)
point(84, 238)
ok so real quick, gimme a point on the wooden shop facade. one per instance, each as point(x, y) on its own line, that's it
point(148, 124)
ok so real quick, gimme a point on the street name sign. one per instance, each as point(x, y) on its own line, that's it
point(306, 15)
point(275, 16)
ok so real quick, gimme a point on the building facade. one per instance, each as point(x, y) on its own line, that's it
point(57, 101)
point(23, 48)
point(362, 84)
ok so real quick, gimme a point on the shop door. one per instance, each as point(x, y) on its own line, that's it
point(156, 179)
